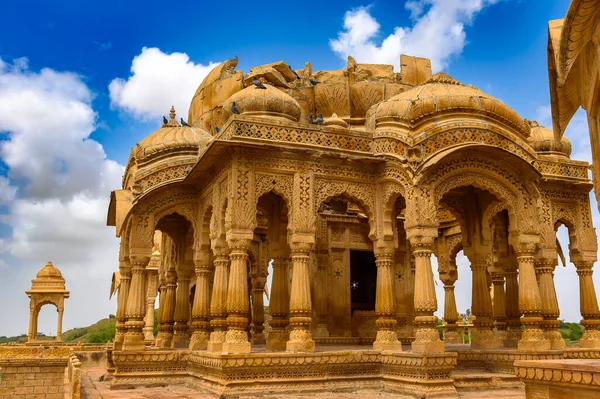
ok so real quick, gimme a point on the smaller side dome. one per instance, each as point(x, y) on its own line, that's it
point(542, 141)
point(269, 102)
point(172, 136)
point(49, 272)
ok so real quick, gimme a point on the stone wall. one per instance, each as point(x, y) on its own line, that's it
point(28, 378)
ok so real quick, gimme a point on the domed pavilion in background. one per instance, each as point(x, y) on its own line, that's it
point(48, 288)
point(339, 186)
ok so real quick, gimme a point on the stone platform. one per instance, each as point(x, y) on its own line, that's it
point(560, 379)
point(282, 373)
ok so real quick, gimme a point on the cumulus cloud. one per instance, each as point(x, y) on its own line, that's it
point(7, 191)
point(61, 180)
point(157, 81)
point(437, 33)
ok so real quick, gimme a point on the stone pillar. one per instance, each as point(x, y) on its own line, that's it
point(31, 324)
point(218, 301)
point(35, 323)
point(513, 315)
point(258, 310)
point(201, 307)
point(59, 326)
point(499, 308)
point(167, 310)
point(588, 305)
point(481, 307)
point(321, 305)
point(136, 301)
point(385, 308)
point(550, 311)
point(151, 276)
point(279, 303)
point(450, 313)
point(300, 300)
point(530, 302)
point(182, 311)
point(238, 306)
point(125, 272)
point(427, 338)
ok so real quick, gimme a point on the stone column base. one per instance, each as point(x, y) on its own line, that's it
point(163, 340)
point(484, 338)
point(590, 339)
point(215, 342)
point(236, 341)
point(137, 345)
point(533, 342)
point(199, 340)
point(300, 346)
point(180, 341)
point(557, 342)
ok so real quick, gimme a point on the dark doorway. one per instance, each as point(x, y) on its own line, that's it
point(363, 280)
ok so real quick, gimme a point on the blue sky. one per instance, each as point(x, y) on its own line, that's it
point(73, 107)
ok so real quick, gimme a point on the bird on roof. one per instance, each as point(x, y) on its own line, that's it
point(310, 118)
point(320, 119)
point(314, 82)
point(234, 108)
point(258, 83)
point(217, 130)
point(294, 72)
point(165, 120)
point(184, 123)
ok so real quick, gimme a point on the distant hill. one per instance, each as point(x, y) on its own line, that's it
point(99, 333)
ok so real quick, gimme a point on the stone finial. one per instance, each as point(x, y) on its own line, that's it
point(172, 122)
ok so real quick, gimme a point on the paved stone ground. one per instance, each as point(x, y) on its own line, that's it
point(92, 388)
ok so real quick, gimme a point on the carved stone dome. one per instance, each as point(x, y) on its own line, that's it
point(542, 141)
point(171, 137)
point(49, 272)
point(440, 94)
point(263, 102)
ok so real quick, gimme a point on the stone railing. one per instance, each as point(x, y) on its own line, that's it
point(35, 377)
point(74, 377)
point(570, 378)
point(264, 130)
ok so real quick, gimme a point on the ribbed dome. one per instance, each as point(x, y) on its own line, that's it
point(171, 136)
point(263, 102)
point(542, 141)
point(49, 272)
point(438, 95)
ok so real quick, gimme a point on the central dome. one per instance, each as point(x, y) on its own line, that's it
point(49, 272)
point(440, 94)
point(263, 102)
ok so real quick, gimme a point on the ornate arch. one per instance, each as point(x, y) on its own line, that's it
point(363, 193)
point(390, 192)
point(280, 184)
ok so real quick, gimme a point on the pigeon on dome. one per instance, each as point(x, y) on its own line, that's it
point(258, 84)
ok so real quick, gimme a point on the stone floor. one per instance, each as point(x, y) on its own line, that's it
point(93, 388)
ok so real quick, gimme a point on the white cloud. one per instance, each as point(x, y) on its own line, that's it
point(437, 33)
point(7, 191)
point(157, 81)
point(64, 180)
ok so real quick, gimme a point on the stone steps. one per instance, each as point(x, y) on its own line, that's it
point(477, 384)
